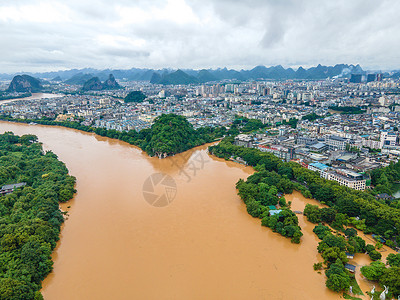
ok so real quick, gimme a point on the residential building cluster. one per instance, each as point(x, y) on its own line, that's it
point(355, 127)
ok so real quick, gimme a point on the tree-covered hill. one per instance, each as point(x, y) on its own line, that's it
point(24, 84)
point(135, 96)
point(171, 134)
point(30, 218)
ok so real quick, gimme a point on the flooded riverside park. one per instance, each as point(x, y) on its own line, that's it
point(203, 244)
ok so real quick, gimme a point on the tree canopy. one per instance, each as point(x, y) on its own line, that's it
point(30, 217)
point(135, 96)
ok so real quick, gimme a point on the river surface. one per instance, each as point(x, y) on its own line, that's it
point(204, 245)
point(34, 96)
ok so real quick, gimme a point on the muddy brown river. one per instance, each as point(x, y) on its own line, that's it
point(203, 245)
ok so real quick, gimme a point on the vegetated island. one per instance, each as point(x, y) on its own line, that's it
point(347, 208)
point(170, 134)
point(33, 183)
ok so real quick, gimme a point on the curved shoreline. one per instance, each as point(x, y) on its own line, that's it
point(213, 220)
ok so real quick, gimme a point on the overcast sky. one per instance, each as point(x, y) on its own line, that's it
point(52, 34)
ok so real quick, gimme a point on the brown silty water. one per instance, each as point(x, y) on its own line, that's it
point(203, 245)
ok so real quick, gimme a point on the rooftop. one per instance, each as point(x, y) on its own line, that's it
point(319, 165)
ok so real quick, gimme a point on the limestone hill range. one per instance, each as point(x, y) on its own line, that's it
point(190, 76)
point(94, 84)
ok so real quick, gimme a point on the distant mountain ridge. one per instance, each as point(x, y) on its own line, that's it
point(187, 76)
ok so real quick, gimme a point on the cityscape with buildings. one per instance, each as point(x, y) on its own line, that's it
point(342, 128)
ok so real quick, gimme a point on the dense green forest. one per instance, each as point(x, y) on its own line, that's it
point(30, 217)
point(377, 216)
point(170, 134)
point(347, 208)
point(260, 191)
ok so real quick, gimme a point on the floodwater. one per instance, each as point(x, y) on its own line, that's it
point(359, 260)
point(34, 96)
point(203, 245)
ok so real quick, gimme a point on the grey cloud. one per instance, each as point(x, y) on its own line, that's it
point(225, 33)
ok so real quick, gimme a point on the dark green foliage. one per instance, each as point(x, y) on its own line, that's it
point(347, 206)
point(385, 276)
point(285, 223)
point(311, 117)
point(338, 278)
point(169, 133)
point(332, 240)
point(321, 230)
point(361, 208)
point(350, 232)
point(375, 255)
point(357, 243)
point(248, 125)
point(393, 260)
point(369, 248)
point(383, 179)
point(338, 283)
point(313, 213)
point(255, 209)
point(328, 214)
point(292, 122)
point(135, 96)
point(391, 278)
point(374, 271)
point(30, 218)
point(259, 191)
point(347, 109)
point(318, 266)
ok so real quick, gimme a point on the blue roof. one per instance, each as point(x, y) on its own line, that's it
point(319, 165)
point(350, 267)
point(273, 212)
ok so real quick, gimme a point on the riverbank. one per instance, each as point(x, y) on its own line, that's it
point(360, 259)
point(203, 245)
point(170, 134)
point(30, 216)
point(33, 96)
point(346, 207)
